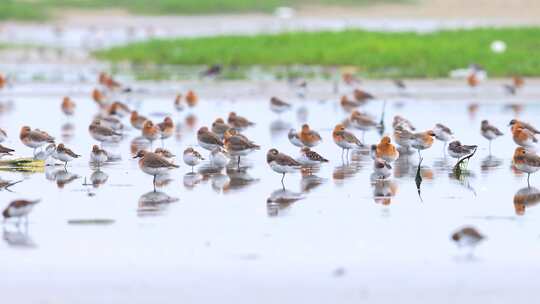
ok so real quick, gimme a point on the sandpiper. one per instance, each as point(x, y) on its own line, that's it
point(349, 105)
point(281, 163)
point(279, 106)
point(524, 137)
point(422, 140)
point(119, 109)
point(64, 154)
point(99, 98)
point(19, 209)
point(381, 168)
point(489, 132)
point(238, 122)
point(98, 156)
point(153, 164)
point(191, 99)
point(34, 138)
point(165, 153)
point(400, 121)
point(137, 121)
point(386, 150)
point(219, 127)
point(309, 157)
point(403, 137)
point(467, 237)
point(166, 128)
point(345, 140)
point(294, 138)
point(208, 140)
point(458, 150)
point(514, 123)
point(218, 158)
point(68, 106)
point(443, 133)
point(178, 103)
point(526, 161)
point(150, 131)
point(5, 151)
point(3, 135)
point(192, 157)
point(238, 145)
point(309, 137)
point(103, 133)
point(361, 95)
point(362, 121)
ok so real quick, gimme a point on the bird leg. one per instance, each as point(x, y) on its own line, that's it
point(282, 178)
point(528, 184)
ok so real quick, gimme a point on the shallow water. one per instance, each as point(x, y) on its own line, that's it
point(339, 237)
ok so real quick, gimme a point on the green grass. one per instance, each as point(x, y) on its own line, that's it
point(40, 9)
point(376, 54)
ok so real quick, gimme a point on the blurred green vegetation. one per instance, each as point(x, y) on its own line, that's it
point(41, 9)
point(377, 54)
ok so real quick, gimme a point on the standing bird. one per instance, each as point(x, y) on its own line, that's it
point(98, 156)
point(191, 99)
point(310, 158)
point(489, 132)
point(192, 157)
point(68, 106)
point(238, 122)
point(178, 103)
point(137, 121)
point(525, 161)
point(345, 140)
point(309, 137)
point(386, 150)
point(281, 163)
point(279, 106)
point(103, 133)
point(166, 128)
point(400, 121)
point(34, 138)
point(403, 137)
point(153, 164)
point(150, 131)
point(363, 122)
point(422, 140)
point(467, 237)
point(19, 209)
point(457, 150)
point(208, 140)
point(349, 105)
point(514, 123)
point(218, 158)
point(219, 127)
point(362, 96)
point(238, 145)
point(524, 137)
point(64, 154)
point(443, 133)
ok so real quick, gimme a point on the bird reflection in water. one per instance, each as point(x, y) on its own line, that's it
point(61, 176)
point(310, 181)
point(98, 178)
point(67, 131)
point(278, 128)
point(280, 200)
point(345, 171)
point(238, 179)
point(154, 203)
point(192, 179)
point(384, 191)
point(463, 178)
point(524, 198)
point(490, 163)
point(17, 236)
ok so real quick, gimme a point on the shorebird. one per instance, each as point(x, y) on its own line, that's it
point(514, 123)
point(208, 140)
point(238, 122)
point(309, 137)
point(422, 140)
point(119, 109)
point(489, 132)
point(400, 121)
point(349, 105)
point(191, 99)
point(137, 121)
point(386, 151)
point(457, 150)
point(166, 128)
point(103, 133)
point(150, 131)
point(345, 140)
point(467, 237)
point(381, 168)
point(524, 137)
point(362, 96)
point(153, 164)
point(219, 127)
point(192, 157)
point(3, 135)
point(363, 121)
point(100, 98)
point(64, 154)
point(238, 145)
point(443, 133)
point(164, 153)
point(218, 158)
point(403, 137)
point(68, 106)
point(526, 161)
point(310, 158)
point(281, 163)
point(34, 138)
point(98, 156)
point(279, 106)
point(294, 138)
point(5, 151)
point(178, 104)
point(19, 209)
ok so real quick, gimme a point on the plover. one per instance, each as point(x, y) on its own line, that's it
point(192, 157)
point(345, 140)
point(208, 140)
point(218, 158)
point(64, 154)
point(153, 164)
point(524, 137)
point(309, 137)
point(526, 161)
point(281, 163)
point(310, 158)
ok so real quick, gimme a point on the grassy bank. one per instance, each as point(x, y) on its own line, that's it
point(376, 54)
point(41, 9)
